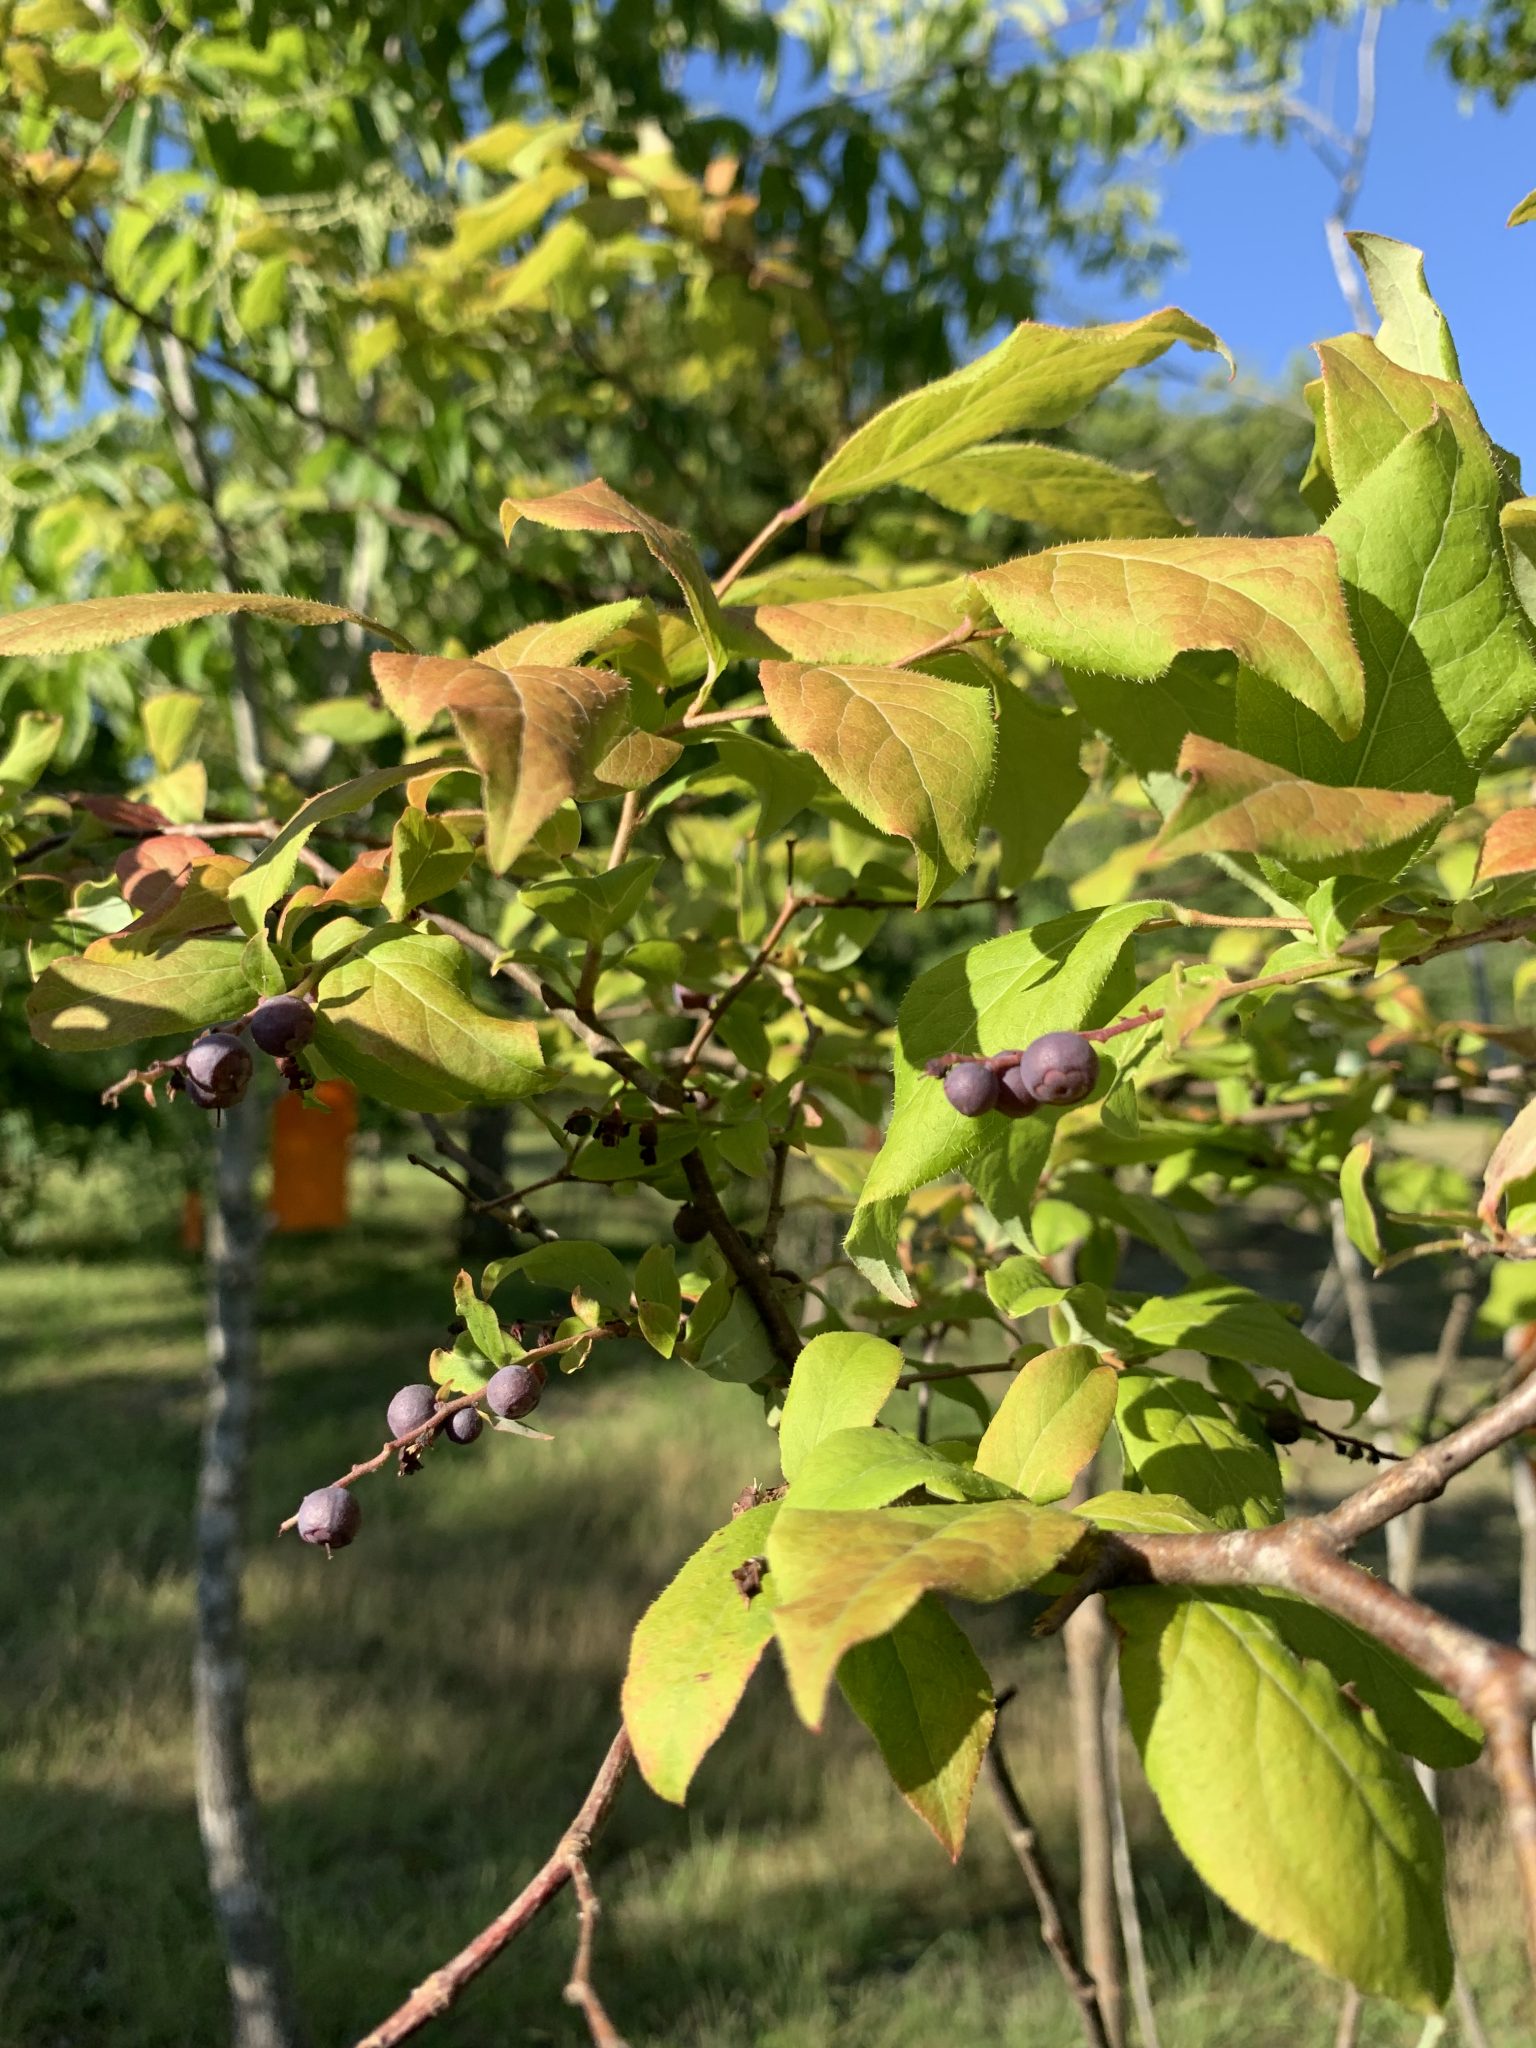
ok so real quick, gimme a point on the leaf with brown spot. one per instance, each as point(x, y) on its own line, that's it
point(108, 621)
point(597, 508)
point(1129, 607)
point(533, 733)
point(1238, 804)
point(911, 752)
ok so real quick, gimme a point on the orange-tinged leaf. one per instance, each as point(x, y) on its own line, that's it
point(198, 901)
point(1128, 607)
point(532, 732)
point(1238, 804)
point(912, 752)
point(147, 872)
point(1513, 1158)
point(597, 508)
point(1510, 845)
point(875, 626)
point(108, 621)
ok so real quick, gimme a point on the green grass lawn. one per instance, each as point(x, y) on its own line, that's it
point(429, 1706)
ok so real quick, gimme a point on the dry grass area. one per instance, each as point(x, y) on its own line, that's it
point(429, 1706)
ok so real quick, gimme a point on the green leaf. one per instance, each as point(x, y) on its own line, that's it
point(869, 1468)
point(396, 1019)
point(1236, 804)
point(29, 750)
point(1256, 1761)
point(1413, 329)
point(1050, 1422)
point(1060, 976)
point(481, 1325)
point(658, 1299)
point(1359, 1215)
point(1178, 1439)
point(924, 1695)
point(593, 906)
point(843, 1578)
point(112, 993)
point(784, 783)
point(737, 1349)
point(595, 508)
point(533, 733)
point(270, 876)
point(692, 1654)
point(1021, 1284)
point(1146, 725)
point(1130, 607)
point(910, 752)
point(170, 719)
point(350, 721)
point(1038, 783)
point(1233, 1322)
point(108, 621)
point(557, 643)
point(841, 1380)
point(1449, 667)
point(575, 1265)
point(1038, 377)
point(427, 857)
point(1058, 488)
point(1417, 1716)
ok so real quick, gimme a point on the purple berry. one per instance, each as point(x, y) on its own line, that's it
point(463, 1427)
point(513, 1392)
point(218, 1070)
point(1060, 1067)
point(411, 1409)
point(1013, 1099)
point(970, 1088)
point(689, 1225)
point(329, 1516)
point(282, 1025)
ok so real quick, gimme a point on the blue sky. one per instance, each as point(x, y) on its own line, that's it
point(1250, 215)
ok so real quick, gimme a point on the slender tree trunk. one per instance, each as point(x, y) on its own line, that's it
point(1085, 1636)
point(1137, 1975)
point(262, 2014)
point(483, 1235)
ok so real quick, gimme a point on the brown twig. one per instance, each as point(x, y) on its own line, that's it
point(754, 967)
point(580, 1991)
point(433, 1997)
point(418, 1439)
point(786, 516)
point(1054, 1932)
point(752, 1275)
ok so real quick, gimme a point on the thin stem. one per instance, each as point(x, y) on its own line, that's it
point(629, 818)
point(580, 1991)
point(786, 516)
point(1025, 1844)
point(717, 1009)
point(433, 1997)
point(1138, 1978)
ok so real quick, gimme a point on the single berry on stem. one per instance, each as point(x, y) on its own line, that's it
point(689, 1224)
point(970, 1088)
point(513, 1392)
point(1061, 1067)
point(463, 1426)
point(282, 1025)
point(411, 1409)
point(329, 1516)
point(218, 1070)
point(1013, 1098)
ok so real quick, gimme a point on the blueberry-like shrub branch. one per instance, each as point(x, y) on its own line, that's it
point(955, 962)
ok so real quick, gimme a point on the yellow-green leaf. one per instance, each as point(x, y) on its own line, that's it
point(108, 621)
point(924, 1695)
point(1359, 1215)
point(1070, 493)
point(874, 626)
point(696, 1646)
point(841, 1380)
point(842, 1579)
point(1050, 1422)
point(1038, 377)
point(114, 993)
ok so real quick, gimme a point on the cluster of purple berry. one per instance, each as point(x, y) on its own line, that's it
point(331, 1516)
point(216, 1069)
point(1057, 1069)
